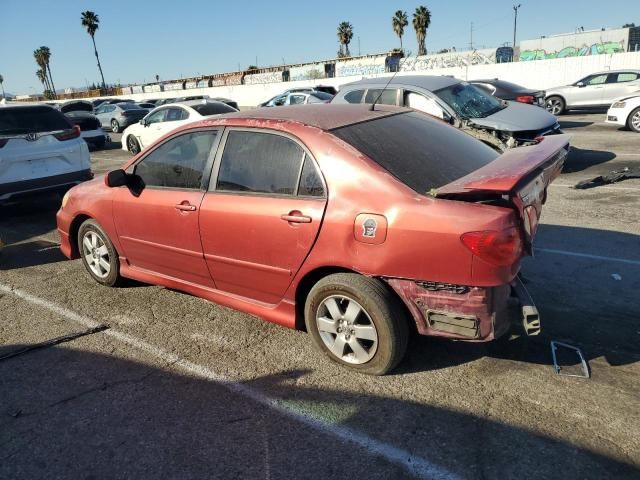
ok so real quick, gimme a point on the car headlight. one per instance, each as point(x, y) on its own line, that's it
point(619, 105)
point(65, 199)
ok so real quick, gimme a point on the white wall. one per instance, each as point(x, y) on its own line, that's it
point(538, 74)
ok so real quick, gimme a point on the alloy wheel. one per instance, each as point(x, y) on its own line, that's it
point(635, 121)
point(132, 144)
point(346, 329)
point(96, 254)
point(554, 106)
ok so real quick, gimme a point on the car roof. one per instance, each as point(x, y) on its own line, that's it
point(321, 115)
point(193, 103)
point(623, 70)
point(428, 82)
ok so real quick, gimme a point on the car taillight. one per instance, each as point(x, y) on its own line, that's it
point(525, 99)
point(498, 247)
point(68, 134)
point(3, 142)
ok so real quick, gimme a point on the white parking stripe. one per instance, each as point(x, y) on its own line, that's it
point(588, 255)
point(415, 465)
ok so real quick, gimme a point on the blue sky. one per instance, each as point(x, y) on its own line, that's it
point(139, 39)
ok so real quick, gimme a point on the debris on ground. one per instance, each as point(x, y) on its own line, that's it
point(613, 177)
point(586, 373)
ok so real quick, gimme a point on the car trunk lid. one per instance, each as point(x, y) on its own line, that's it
point(519, 178)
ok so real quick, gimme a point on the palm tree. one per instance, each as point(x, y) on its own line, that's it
point(398, 22)
point(2, 85)
point(46, 58)
point(91, 22)
point(345, 34)
point(421, 21)
point(39, 55)
point(43, 79)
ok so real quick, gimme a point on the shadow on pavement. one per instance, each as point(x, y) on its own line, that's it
point(581, 159)
point(29, 254)
point(66, 413)
point(564, 124)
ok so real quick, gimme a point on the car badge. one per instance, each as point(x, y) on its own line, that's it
point(369, 228)
point(31, 137)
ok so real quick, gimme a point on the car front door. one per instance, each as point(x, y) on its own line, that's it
point(150, 128)
point(619, 85)
point(157, 220)
point(590, 92)
point(262, 213)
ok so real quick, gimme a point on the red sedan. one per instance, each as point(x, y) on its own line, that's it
point(356, 225)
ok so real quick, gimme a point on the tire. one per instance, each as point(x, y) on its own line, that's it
point(379, 330)
point(555, 105)
point(98, 255)
point(633, 121)
point(99, 145)
point(115, 126)
point(132, 145)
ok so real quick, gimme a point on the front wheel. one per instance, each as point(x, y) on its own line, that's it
point(555, 105)
point(98, 254)
point(357, 322)
point(132, 145)
point(633, 122)
point(115, 126)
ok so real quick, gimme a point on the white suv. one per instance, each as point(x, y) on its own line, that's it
point(39, 150)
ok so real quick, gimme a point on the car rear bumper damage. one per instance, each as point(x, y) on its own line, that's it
point(25, 187)
point(461, 312)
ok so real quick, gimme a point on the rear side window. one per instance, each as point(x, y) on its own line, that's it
point(386, 96)
point(22, 120)
point(260, 163)
point(422, 152)
point(207, 109)
point(355, 96)
point(310, 182)
point(625, 77)
point(178, 163)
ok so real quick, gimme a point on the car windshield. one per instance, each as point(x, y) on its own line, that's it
point(419, 150)
point(23, 120)
point(206, 109)
point(322, 95)
point(469, 101)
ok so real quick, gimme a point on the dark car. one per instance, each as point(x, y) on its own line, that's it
point(510, 91)
point(80, 112)
point(231, 103)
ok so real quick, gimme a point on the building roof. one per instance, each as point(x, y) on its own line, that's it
point(322, 115)
point(428, 82)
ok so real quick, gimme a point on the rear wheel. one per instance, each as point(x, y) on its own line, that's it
point(115, 126)
point(555, 105)
point(357, 322)
point(132, 145)
point(98, 254)
point(633, 122)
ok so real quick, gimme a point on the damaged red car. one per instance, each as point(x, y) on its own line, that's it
point(355, 224)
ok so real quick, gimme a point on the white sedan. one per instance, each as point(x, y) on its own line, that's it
point(166, 118)
point(626, 112)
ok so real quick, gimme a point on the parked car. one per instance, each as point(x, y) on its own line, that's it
point(625, 111)
point(598, 90)
point(498, 123)
point(39, 150)
point(511, 91)
point(228, 101)
point(281, 98)
point(164, 101)
point(191, 97)
point(120, 115)
point(146, 105)
point(80, 112)
point(299, 98)
point(351, 223)
point(166, 118)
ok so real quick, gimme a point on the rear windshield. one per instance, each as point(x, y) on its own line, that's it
point(129, 106)
point(322, 95)
point(76, 107)
point(422, 152)
point(206, 109)
point(22, 120)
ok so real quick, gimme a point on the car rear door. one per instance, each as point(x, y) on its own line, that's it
point(157, 219)
point(619, 85)
point(262, 213)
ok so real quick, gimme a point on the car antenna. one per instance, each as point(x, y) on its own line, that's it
point(390, 80)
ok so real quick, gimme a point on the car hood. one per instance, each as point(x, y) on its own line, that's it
point(517, 117)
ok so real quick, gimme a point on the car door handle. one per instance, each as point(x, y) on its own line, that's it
point(186, 207)
point(295, 217)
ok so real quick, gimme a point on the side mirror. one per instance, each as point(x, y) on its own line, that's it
point(580, 84)
point(116, 178)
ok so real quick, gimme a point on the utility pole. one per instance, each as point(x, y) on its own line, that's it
point(515, 23)
point(359, 54)
point(471, 37)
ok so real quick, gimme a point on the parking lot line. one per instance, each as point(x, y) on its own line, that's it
point(588, 255)
point(415, 465)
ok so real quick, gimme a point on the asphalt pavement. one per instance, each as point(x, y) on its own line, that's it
point(178, 387)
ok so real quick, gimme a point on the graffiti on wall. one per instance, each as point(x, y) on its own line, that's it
point(260, 78)
point(449, 60)
point(584, 50)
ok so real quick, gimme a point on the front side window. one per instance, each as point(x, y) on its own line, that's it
point(382, 96)
point(597, 79)
point(178, 163)
point(260, 163)
point(174, 114)
point(421, 103)
point(156, 117)
point(354, 96)
point(469, 101)
point(296, 99)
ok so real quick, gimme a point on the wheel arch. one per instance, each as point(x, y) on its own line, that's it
point(73, 232)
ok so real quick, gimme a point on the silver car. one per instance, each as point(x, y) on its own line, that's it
point(499, 123)
point(597, 90)
point(119, 116)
